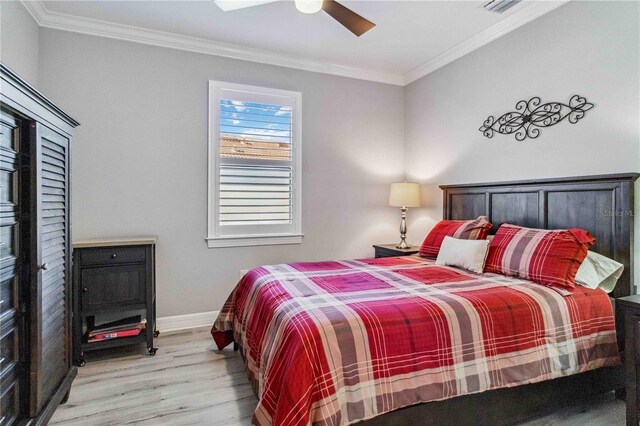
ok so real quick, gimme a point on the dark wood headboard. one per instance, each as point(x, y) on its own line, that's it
point(602, 204)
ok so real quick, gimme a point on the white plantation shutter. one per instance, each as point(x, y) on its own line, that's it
point(255, 195)
point(254, 172)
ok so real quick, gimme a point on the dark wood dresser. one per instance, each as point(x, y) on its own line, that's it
point(630, 307)
point(113, 278)
point(35, 269)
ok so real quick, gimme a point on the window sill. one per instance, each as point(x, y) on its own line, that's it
point(253, 240)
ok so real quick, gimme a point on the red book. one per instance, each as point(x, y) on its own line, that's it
point(114, 335)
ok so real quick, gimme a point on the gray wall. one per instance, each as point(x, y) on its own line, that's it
point(140, 158)
point(586, 48)
point(19, 40)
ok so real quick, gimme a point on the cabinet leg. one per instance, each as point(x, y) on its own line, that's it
point(152, 351)
point(80, 362)
point(235, 346)
point(65, 398)
point(156, 333)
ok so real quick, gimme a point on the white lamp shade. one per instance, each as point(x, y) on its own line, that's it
point(404, 194)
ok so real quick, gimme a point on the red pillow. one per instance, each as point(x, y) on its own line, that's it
point(547, 257)
point(476, 229)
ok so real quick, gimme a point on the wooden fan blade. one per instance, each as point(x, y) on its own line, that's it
point(347, 17)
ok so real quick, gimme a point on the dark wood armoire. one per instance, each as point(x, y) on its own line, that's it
point(35, 258)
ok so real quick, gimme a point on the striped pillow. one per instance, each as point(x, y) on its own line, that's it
point(462, 229)
point(546, 257)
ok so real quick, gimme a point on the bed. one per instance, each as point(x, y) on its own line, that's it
point(401, 340)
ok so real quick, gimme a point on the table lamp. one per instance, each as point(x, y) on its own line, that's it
point(404, 195)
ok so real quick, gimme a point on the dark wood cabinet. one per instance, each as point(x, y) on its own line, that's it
point(112, 287)
point(35, 274)
point(113, 278)
point(630, 307)
point(390, 250)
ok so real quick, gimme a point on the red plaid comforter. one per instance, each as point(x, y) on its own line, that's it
point(338, 342)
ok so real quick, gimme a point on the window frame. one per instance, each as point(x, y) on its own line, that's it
point(215, 237)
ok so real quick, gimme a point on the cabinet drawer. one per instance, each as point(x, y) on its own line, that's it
point(112, 255)
point(112, 286)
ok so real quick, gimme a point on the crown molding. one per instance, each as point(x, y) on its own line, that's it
point(528, 12)
point(36, 9)
point(65, 22)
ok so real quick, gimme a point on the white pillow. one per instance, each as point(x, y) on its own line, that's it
point(466, 254)
point(598, 271)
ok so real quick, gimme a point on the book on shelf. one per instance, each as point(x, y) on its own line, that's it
point(114, 335)
point(126, 327)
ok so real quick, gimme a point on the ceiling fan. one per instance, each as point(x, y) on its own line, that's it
point(345, 16)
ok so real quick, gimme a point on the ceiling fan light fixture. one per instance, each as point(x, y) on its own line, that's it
point(308, 6)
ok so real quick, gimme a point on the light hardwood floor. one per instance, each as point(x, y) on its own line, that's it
point(187, 383)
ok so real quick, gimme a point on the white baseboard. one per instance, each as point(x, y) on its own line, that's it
point(186, 322)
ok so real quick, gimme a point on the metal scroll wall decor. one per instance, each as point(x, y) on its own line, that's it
point(531, 115)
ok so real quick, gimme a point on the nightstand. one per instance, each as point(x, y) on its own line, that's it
point(630, 307)
point(390, 250)
point(113, 279)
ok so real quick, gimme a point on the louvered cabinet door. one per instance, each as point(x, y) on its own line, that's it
point(12, 368)
point(50, 359)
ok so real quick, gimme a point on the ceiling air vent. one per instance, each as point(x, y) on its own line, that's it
point(500, 6)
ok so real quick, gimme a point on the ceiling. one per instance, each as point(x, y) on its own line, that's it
point(411, 37)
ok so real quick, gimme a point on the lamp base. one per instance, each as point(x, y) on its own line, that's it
point(403, 245)
point(403, 230)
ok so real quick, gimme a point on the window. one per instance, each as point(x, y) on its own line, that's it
point(254, 166)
